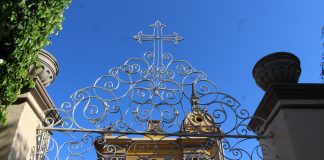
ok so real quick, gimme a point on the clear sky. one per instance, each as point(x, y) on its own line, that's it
point(223, 38)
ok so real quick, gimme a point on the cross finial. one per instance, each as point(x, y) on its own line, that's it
point(158, 38)
point(158, 35)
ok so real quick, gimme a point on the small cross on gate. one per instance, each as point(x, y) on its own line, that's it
point(158, 38)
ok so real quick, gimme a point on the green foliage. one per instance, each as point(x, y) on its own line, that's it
point(25, 28)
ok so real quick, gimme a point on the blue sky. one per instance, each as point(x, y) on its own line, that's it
point(223, 38)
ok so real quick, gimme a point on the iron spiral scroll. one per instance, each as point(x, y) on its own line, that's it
point(124, 103)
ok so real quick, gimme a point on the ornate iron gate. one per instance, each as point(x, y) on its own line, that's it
point(149, 108)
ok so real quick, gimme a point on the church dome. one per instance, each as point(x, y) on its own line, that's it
point(199, 122)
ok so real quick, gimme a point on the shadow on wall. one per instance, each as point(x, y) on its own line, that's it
point(20, 150)
point(10, 150)
point(8, 143)
point(6, 137)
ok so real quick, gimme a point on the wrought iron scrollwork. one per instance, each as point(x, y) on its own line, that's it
point(157, 91)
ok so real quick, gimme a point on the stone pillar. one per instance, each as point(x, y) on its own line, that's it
point(18, 137)
point(293, 113)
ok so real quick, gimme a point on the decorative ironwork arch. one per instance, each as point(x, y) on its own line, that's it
point(150, 107)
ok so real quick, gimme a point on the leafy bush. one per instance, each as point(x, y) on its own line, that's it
point(25, 28)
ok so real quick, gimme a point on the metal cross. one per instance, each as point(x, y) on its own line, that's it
point(158, 38)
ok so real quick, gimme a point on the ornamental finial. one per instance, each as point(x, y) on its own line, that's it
point(158, 38)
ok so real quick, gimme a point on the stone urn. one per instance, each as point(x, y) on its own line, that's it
point(279, 67)
point(48, 69)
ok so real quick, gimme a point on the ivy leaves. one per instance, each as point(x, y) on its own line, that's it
point(24, 30)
